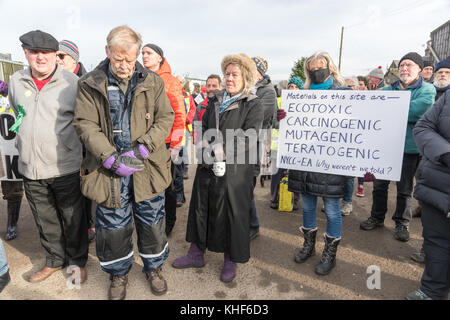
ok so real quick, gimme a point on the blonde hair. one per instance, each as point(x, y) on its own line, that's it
point(246, 66)
point(124, 37)
point(334, 71)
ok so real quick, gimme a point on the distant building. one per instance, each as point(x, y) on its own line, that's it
point(438, 48)
point(8, 66)
point(391, 74)
point(191, 82)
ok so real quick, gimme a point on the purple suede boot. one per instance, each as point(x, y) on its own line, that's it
point(228, 269)
point(193, 259)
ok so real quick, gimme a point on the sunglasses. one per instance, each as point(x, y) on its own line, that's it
point(61, 55)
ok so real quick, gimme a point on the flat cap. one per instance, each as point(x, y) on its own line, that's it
point(39, 40)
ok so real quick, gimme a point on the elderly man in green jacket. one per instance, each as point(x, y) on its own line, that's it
point(422, 98)
point(123, 117)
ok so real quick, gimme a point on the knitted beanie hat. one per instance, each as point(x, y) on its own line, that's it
point(155, 48)
point(70, 48)
point(443, 64)
point(428, 63)
point(297, 81)
point(377, 73)
point(261, 65)
point(413, 56)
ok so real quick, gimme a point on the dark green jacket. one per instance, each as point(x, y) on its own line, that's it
point(150, 123)
point(422, 98)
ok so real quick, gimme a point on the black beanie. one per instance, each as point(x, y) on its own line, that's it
point(428, 63)
point(413, 56)
point(155, 48)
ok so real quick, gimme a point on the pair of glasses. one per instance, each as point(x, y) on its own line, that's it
point(406, 65)
point(61, 55)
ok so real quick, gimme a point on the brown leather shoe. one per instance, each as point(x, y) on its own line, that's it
point(83, 275)
point(157, 282)
point(118, 287)
point(43, 274)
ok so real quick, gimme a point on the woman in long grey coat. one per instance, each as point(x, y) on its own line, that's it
point(220, 205)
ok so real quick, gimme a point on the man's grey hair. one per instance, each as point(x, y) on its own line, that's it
point(123, 37)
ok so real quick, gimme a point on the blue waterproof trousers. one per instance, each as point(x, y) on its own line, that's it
point(115, 228)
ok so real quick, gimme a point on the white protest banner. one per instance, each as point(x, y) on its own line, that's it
point(9, 154)
point(199, 98)
point(344, 132)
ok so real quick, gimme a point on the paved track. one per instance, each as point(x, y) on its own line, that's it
point(271, 272)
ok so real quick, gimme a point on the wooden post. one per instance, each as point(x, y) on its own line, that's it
point(340, 50)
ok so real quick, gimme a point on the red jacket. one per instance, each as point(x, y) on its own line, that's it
point(191, 114)
point(174, 92)
point(202, 108)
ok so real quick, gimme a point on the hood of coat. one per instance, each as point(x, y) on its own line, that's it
point(265, 81)
point(165, 68)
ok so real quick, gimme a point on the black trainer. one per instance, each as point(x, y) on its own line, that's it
point(370, 224)
point(417, 295)
point(401, 233)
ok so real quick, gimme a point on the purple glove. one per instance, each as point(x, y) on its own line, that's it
point(281, 114)
point(138, 152)
point(123, 165)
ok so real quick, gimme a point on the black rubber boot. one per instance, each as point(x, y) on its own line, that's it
point(328, 260)
point(13, 217)
point(309, 245)
point(4, 280)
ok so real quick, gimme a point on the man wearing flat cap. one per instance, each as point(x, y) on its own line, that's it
point(422, 98)
point(43, 98)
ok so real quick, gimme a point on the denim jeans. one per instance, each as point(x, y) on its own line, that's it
point(404, 189)
point(332, 211)
point(348, 189)
point(3, 262)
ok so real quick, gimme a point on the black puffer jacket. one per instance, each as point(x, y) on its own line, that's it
point(432, 136)
point(315, 183)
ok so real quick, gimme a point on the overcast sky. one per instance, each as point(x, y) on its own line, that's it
point(195, 35)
